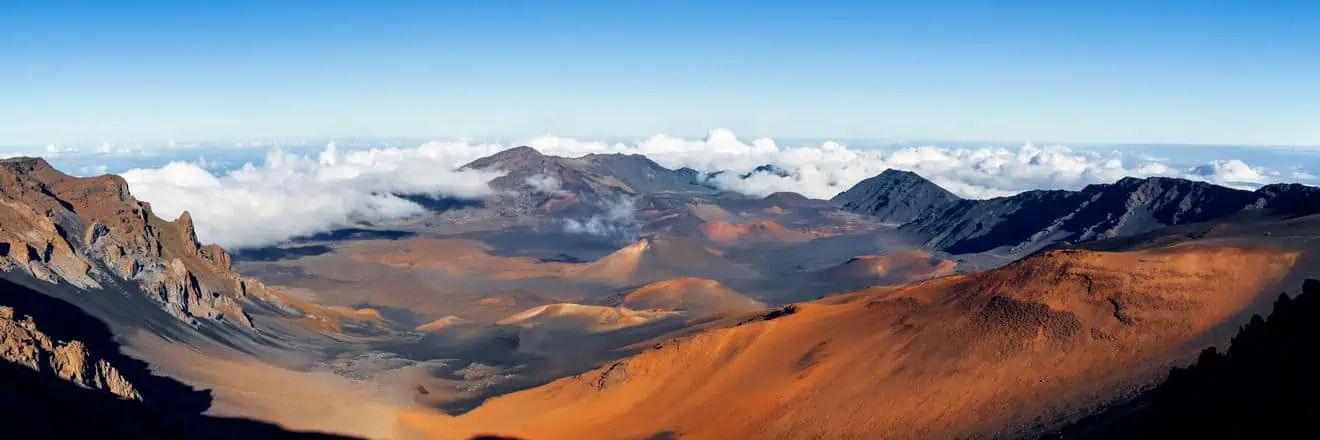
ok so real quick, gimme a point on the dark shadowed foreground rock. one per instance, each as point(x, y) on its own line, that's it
point(1264, 386)
point(62, 376)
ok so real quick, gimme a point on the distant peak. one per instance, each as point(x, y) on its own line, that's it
point(519, 151)
point(786, 197)
point(906, 179)
point(895, 196)
point(897, 173)
point(770, 169)
point(515, 156)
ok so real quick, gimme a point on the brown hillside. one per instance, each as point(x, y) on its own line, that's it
point(1001, 352)
point(582, 317)
point(893, 268)
point(654, 259)
point(698, 295)
point(753, 232)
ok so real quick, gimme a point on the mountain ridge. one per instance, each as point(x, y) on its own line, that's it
point(598, 176)
point(1032, 219)
point(895, 196)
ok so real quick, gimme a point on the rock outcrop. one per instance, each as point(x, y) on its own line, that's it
point(63, 375)
point(23, 343)
point(91, 234)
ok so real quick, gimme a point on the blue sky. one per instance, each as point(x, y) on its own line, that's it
point(1176, 72)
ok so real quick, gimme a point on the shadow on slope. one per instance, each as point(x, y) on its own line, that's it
point(297, 248)
point(276, 253)
point(1264, 386)
point(37, 405)
point(441, 203)
point(345, 234)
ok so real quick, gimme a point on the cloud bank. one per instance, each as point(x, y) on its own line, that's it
point(291, 194)
point(824, 170)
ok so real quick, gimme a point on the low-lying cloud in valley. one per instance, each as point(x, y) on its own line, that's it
point(289, 194)
point(618, 223)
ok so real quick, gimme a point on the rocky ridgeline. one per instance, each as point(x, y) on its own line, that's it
point(23, 343)
point(581, 186)
point(1033, 219)
point(895, 197)
point(92, 234)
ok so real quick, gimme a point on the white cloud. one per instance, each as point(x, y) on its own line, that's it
point(618, 222)
point(291, 195)
point(1230, 171)
point(95, 170)
point(823, 170)
point(545, 184)
point(56, 150)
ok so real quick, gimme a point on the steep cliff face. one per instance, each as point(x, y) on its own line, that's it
point(90, 233)
point(22, 342)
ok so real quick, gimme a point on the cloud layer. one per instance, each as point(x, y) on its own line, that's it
point(291, 194)
point(821, 171)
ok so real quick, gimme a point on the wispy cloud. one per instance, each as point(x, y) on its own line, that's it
point(618, 222)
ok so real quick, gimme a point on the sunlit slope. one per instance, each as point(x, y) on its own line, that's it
point(1000, 352)
point(696, 295)
point(656, 259)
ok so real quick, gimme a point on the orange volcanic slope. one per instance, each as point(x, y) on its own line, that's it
point(440, 324)
point(648, 260)
point(759, 231)
point(654, 259)
point(582, 317)
point(999, 352)
point(894, 268)
point(698, 295)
